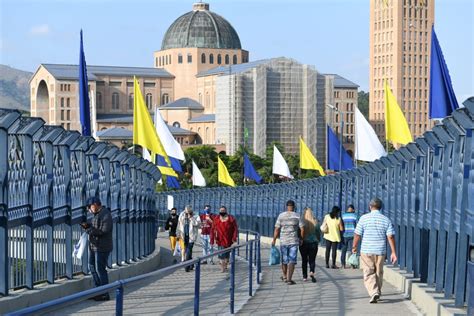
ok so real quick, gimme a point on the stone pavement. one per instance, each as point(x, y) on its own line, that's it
point(337, 292)
point(174, 294)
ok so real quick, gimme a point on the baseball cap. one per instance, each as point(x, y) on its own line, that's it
point(93, 200)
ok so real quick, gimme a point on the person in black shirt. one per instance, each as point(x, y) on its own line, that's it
point(171, 224)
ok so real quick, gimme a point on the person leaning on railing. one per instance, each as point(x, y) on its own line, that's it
point(100, 243)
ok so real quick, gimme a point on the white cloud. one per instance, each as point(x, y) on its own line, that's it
point(42, 29)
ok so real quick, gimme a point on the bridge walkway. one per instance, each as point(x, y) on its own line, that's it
point(336, 292)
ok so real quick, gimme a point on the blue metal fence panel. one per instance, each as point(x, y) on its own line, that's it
point(46, 175)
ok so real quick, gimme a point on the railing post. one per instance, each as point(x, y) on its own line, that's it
point(232, 280)
point(247, 245)
point(259, 262)
point(119, 301)
point(250, 269)
point(197, 279)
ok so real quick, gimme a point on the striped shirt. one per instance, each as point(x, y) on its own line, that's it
point(350, 220)
point(374, 228)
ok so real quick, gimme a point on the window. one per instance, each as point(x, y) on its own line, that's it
point(62, 102)
point(219, 59)
point(68, 115)
point(234, 59)
point(180, 59)
point(115, 100)
point(190, 58)
point(99, 100)
point(165, 98)
point(176, 124)
point(149, 100)
point(211, 58)
point(130, 101)
point(156, 61)
point(227, 59)
point(203, 58)
point(62, 115)
point(170, 59)
point(68, 102)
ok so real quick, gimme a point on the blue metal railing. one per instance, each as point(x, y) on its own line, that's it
point(427, 188)
point(46, 175)
point(253, 247)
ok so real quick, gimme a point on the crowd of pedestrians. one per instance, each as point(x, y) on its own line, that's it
point(339, 231)
point(303, 232)
point(218, 231)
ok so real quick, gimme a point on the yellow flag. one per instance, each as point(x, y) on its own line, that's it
point(307, 160)
point(144, 132)
point(396, 126)
point(223, 175)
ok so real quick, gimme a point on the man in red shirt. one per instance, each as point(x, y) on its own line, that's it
point(224, 233)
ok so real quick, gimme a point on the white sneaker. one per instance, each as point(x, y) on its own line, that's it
point(374, 299)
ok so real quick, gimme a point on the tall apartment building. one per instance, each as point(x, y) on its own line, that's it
point(400, 40)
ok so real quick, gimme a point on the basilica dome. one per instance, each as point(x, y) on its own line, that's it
point(201, 28)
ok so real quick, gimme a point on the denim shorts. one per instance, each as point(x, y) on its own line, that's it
point(289, 253)
point(223, 255)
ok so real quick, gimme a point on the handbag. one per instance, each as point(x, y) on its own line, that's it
point(324, 226)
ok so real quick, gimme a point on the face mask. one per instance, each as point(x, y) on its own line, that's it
point(223, 213)
point(173, 214)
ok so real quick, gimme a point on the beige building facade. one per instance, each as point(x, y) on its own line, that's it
point(345, 101)
point(54, 93)
point(400, 39)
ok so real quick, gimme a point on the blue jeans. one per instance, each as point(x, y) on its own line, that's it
point(97, 266)
point(206, 245)
point(346, 243)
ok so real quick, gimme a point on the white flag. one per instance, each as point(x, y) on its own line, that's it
point(171, 146)
point(198, 179)
point(280, 166)
point(367, 144)
point(146, 154)
point(170, 202)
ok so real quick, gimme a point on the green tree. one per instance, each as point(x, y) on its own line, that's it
point(363, 103)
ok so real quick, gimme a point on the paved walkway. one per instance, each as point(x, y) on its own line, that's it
point(174, 294)
point(337, 292)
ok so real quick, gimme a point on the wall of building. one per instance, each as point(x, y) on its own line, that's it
point(346, 100)
point(62, 107)
point(400, 38)
point(186, 71)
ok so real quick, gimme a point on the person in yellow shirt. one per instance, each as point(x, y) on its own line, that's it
point(333, 234)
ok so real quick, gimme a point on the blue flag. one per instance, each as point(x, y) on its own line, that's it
point(84, 108)
point(172, 182)
point(334, 149)
point(442, 98)
point(249, 170)
point(175, 163)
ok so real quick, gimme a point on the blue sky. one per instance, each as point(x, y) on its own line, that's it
point(333, 35)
